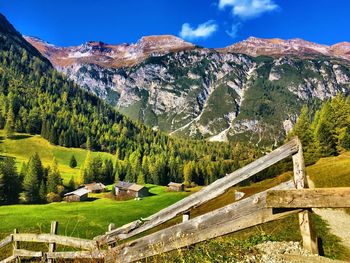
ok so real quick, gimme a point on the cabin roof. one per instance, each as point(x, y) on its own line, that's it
point(136, 187)
point(95, 186)
point(79, 192)
point(122, 184)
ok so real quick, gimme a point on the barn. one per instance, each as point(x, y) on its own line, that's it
point(130, 189)
point(95, 187)
point(78, 195)
point(176, 187)
point(138, 190)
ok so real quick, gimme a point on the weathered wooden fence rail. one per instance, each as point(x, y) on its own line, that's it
point(272, 204)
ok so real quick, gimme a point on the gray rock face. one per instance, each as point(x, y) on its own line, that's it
point(208, 93)
point(205, 93)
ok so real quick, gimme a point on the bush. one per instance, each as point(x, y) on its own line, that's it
point(53, 197)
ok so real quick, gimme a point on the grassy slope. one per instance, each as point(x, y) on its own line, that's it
point(24, 145)
point(85, 219)
point(89, 219)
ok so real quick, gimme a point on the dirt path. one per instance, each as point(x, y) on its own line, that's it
point(337, 219)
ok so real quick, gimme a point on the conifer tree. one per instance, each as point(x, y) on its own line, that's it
point(141, 178)
point(10, 123)
point(73, 162)
point(33, 179)
point(53, 178)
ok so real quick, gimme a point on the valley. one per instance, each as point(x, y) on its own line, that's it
point(220, 124)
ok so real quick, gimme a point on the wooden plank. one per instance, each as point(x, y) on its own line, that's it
point(16, 246)
point(52, 245)
point(305, 222)
point(76, 255)
point(242, 214)
point(338, 197)
point(62, 240)
point(208, 193)
point(27, 253)
point(8, 260)
point(6, 241)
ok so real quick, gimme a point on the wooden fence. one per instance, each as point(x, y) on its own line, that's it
point(273, 204)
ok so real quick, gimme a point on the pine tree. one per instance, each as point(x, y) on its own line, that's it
point(11, 181)
point(54, 178)
point(71, 184)
point(10, 123)
point(42, 192)
point(141, 178)
point(73, 162)
point(32, 179)
point(116, 177)
point(31, 184)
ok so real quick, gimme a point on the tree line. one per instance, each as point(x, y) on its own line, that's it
point(324, 132)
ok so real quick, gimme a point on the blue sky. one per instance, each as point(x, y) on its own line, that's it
point(209, 23)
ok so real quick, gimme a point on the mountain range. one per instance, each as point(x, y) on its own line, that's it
point(252, 90)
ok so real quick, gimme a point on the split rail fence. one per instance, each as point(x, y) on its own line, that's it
point(124, 244)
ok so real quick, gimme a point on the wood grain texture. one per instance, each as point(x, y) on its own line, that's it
point(6, 241)
point(305, 221)
point(338, 197)
point(27, 253)
point(208, 193)
point(9, 259)
point(62, 240)
point(242, 214)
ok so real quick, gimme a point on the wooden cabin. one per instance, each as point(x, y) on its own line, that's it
point(78, 195)
point(138, 190)
point(176, 187)
point(95, 187)
point(130, 189)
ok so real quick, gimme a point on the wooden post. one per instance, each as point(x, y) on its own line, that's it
point(185, 216)
point(305, 223)
point(16, 246)
point(52, 246)
point(111, 227)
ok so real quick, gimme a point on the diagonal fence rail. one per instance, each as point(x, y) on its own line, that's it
point(273, 204)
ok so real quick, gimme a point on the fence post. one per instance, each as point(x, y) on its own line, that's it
point(16, 245)
point(185, 216)
point(52, 246)
point(305, 223)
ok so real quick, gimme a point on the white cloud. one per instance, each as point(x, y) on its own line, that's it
point(201, 31)
point(234, 30)
point(246, 9)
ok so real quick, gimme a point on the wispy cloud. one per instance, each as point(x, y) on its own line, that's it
point(247, 9)
point(201, 31)
point(233, 30)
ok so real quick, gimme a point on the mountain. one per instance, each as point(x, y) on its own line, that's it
point(111, 56)
point(36, 99)
point(293, 47)
point(251, 91)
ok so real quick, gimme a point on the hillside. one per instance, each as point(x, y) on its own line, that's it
point(23, 146)
point(181, 92)
point(93, 217)
point(35, 99)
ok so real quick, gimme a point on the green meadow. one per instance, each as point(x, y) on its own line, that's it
point(23, 146)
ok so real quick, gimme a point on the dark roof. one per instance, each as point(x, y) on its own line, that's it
point(95, 186)
point(175, 184)
point(136, 187)
point(78, 192)
point(129, 186)
point(124, 185)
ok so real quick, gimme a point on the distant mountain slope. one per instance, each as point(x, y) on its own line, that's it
point(232, 93)
point(276, 47)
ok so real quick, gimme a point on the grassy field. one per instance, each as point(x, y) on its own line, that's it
point(91, 218)
point(85, 219)
point(22, 146)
